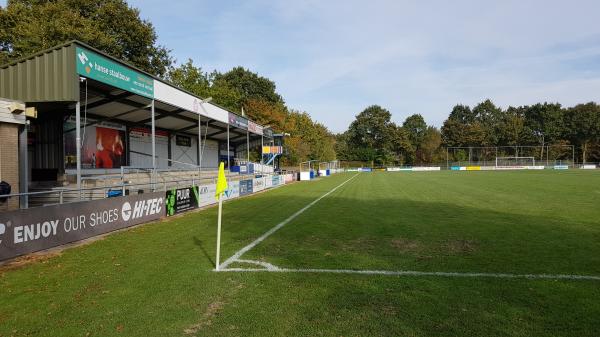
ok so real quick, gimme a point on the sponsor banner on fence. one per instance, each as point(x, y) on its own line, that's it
point(561, 167)
point(398, 169)
point(245, 186)
point(233, 190)
point(206, 194)
point(258, 184)
point(488, 168)
point(425, 168)
point(275, 180)
point(588, 167)
point(34, 229)
point(511, 167)
point(288, 178)
point(181, 200)
point(268, 181)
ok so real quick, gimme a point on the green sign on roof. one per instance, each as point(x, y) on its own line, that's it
point(102, 69)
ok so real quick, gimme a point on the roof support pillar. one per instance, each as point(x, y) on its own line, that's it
point(153, 176)
point(248, 146)
point(79, 145)
point(200, 145)
point(228, 156)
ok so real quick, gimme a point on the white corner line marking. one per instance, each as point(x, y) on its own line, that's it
point(423, 273)
point(268, 266)
point(242, 251)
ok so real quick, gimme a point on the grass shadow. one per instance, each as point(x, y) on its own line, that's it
point(199, 243)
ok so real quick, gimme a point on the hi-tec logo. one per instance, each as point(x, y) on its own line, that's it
point(141, 208)
point(83, 59)
point(2, 230)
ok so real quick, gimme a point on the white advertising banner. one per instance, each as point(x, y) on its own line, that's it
point(258, 184)
point(206, 194)
point(425, 168)
point(171, 95)
point(233, 190)
point(304, 176)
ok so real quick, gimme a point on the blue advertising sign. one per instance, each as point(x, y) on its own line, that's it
point(245, 187)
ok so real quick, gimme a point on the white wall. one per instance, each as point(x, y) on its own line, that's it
point(210, 154)
point(142, 142)
point(184, 154)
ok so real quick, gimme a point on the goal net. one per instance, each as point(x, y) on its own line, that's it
point(515, 161)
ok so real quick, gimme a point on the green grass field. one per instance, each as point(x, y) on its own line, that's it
point(158, 279)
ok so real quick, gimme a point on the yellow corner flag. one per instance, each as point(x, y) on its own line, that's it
point(221, 181)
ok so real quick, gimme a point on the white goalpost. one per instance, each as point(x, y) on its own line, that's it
point(515, 161)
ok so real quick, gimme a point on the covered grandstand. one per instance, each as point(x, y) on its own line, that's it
point(134, 130)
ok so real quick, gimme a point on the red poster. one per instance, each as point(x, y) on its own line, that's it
point(110, 151)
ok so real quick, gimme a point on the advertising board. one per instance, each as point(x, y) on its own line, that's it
point(245, 187)
point(181, 200)
point(258, 184)
point(29, 230)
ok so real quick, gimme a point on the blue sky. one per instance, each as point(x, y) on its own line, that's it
point(334, 58)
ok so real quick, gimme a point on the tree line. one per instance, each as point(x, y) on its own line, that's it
point(29, 26)
point(240, 89)
point(373, 137)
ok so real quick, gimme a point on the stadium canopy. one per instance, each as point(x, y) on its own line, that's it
point(89, 87)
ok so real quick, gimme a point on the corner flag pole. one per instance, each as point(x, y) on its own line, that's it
point(221, 188)
point(219, 233)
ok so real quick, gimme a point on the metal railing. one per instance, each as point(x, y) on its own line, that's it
point(64, 195)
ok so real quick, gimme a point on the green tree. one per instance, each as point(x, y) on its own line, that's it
point(191, 78)
point(430, 151)
point(28, 26)
point(415, 126)
point(373, 137)
point(512, 129)
point(249, 85)
point(462, 114)
point(545, 123)
point(401, 147)
point(489, 117)
point(583, 127)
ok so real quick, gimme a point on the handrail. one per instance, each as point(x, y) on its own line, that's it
point(63, 190)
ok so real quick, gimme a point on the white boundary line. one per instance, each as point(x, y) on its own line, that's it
point(242, 251)
point(418, 273)
point(267, 267)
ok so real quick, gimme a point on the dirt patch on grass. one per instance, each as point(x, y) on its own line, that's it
point(406, 245)
point(460, 246)
point(354, 245)
point(213, 309)
point(25, 260)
